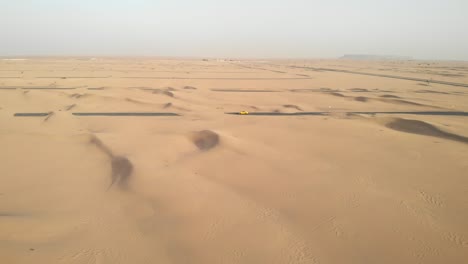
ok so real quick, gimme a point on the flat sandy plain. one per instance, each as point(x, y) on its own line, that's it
point(333, 187)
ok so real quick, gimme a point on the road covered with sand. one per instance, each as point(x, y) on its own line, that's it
point(137, 160)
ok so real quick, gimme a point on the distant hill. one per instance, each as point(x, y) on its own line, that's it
point(373, 57)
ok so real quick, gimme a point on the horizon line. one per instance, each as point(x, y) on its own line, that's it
point(342, 57)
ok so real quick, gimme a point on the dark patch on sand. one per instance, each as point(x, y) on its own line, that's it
point(305, 90)
point(121, 167)
point(171, 105)
point(303, 75)
point(361, 99)
point(48, 88)
point(30, 114)
point(293, 106)
point(430, 91)
point(165, 92)
point(168, 93)
point(13, 214)
point(423, 84)
point(145, 88)
point(450, 74)
point(97, 88)
point(336, 94)
point(347, 115)
point(205, 139)
point(190, 88)
point(244, 90)
point(132, 100)
point(50, 114)
point(389, 96)
point(274, 71)
point(422, 128)
point(137, 101)
point(358, 90)
point(404, 102)
point(384, 91)
point(70, 107)
point(325, 89)
point(121, 114)
point(279, 113)
point(76, 96)
point(392, 99)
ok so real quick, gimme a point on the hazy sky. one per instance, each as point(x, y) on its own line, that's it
point(426, 29)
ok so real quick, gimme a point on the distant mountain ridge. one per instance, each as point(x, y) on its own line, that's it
point(373, 57)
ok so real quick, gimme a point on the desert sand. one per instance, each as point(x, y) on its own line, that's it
point(342, 185)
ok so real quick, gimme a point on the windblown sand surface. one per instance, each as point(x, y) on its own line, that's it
point(203, 186)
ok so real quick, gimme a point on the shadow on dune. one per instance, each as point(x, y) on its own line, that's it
point(430, 91)
point(121, 167)
point(359, 90)
point(168, 93)
point(70, 107)
point(189, 88)
point(422, 128)
point(391, 99)
point(205, 139)
point(405, 102)
point(49, 115)
point(305, 90)
point(293, 106)
point(361, 99)
point(337, 94)
point(13, 214)
point(244, 90)
point(390, 96)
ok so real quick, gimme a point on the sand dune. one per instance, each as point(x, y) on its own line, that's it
point(123, 160)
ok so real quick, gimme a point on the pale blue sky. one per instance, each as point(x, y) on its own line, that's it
point(425, 29)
